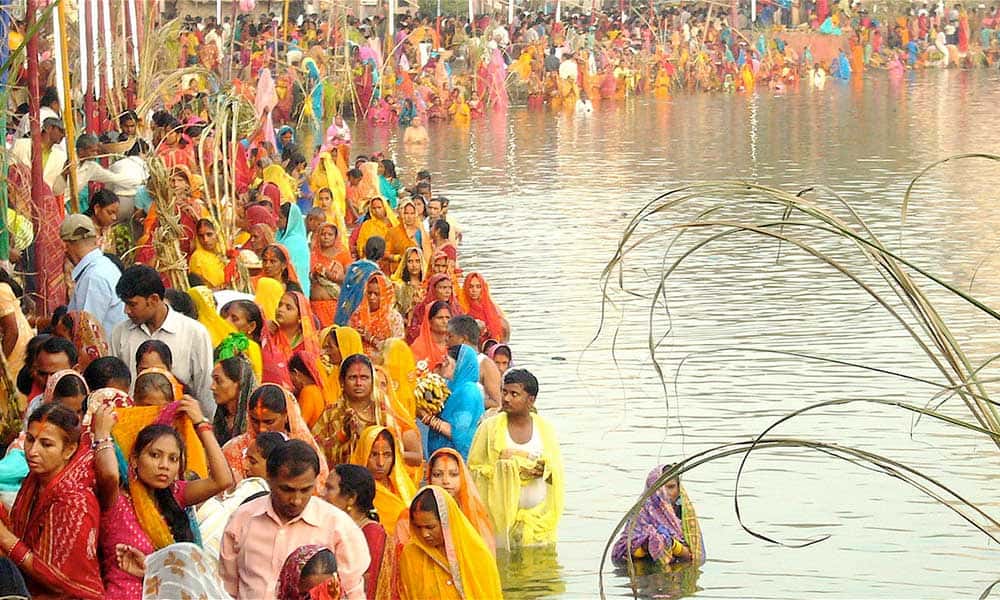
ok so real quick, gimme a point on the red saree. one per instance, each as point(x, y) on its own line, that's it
point(59, 523)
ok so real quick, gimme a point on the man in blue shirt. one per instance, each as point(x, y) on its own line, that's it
point(94, 275)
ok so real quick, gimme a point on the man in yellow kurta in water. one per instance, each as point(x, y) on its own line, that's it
point(517, 467)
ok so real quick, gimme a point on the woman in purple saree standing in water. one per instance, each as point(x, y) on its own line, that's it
point(666, 529)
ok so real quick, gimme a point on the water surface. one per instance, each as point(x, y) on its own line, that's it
point(543, 199)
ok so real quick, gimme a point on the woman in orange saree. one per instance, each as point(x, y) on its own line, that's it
point(479, 305)
point(377, 319)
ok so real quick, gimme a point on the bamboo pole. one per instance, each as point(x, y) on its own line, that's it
point(34, 96)
point(68, 119)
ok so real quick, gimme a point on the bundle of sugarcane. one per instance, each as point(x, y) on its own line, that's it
point(168, 232)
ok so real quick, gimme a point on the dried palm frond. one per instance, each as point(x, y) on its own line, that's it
point(798, 221)
point(168, 233)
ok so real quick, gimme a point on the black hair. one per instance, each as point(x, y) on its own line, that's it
point(355, 173)
point(454, 350)
point(352, 360)
point(294, 457)
point(424, 174)
point(358, 482)
point(15, 287)
point(50, 95)
point(102, 198)
point(528, 381)
point(177, 520)
point(437, 307)
point(61, 417)
point(466, 328)
point(504, 349)
point(87, 140)
point(253, 313)
point(60, 316)
point(296, 363)
point(267, 442)
point(128, 115)
point(285, 209)
point(204, 222)
point(375, 248)
point(295, 159)
point(424, 502)
point(442, 227)
point(270, 397)
point(59, 345)
point(181, 302)
point(104, 371)
point(71, 385)
point(406, 272)
point(146, 383)
point(158, 347)
point(390, 168)
point(194, 280)
point(162, 118)
point(140, 281)
point(322, 563)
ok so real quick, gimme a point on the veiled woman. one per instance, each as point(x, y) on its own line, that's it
point(666, 530)
point(378, 450)
point(445, 557)
point(439, 288)
point(361, 404)
point(478, 304)
point(207, 260)
point(51, 532)
point(377, 223)
point(446, 468)
point(409, 282)
point(408, 233)
point(293, 237)
point(376, 319)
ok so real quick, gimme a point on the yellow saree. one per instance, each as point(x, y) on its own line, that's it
point(463, 570)
point(393, 500)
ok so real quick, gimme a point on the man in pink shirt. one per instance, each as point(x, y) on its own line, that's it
point(262, 533)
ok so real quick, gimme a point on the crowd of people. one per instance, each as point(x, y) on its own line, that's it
point(453, 69)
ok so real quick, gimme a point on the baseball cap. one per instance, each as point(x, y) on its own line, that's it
point(77, 227)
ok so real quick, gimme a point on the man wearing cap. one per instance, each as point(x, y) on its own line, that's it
point(94, 275)
point(53, 154)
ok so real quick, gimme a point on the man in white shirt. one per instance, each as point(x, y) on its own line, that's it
point(53, 155)
point(151, 318)
point(87, 147)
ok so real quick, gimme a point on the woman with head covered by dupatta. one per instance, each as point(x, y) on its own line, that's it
point(272, 408)
point(376, 319)
point(439, 288)
point(446, 468)
point(293, 238)
point(337, 343)
point(309, 573)
point(665, 531)
point(293, 329)
point(478, 304)
point(361, 404)
point(445, 556)
point(53, 524)
point(456, 424)
point(409, 282)
point(379, 451)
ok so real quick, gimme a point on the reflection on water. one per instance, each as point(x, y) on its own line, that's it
point(532, 572)
point(679, 580)
point(543, 198)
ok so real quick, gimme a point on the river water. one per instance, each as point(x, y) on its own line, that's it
point(543, 199)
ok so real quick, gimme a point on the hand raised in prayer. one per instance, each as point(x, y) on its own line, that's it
point(131, 560)
point(192, 409)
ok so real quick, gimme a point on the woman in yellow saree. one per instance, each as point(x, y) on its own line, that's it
point(378, 223)
point(207, 260)
point(337, 343)
point(268, 295)
point(445, 557)
point(327, 175)
point(379, 452)
point(286, 183)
